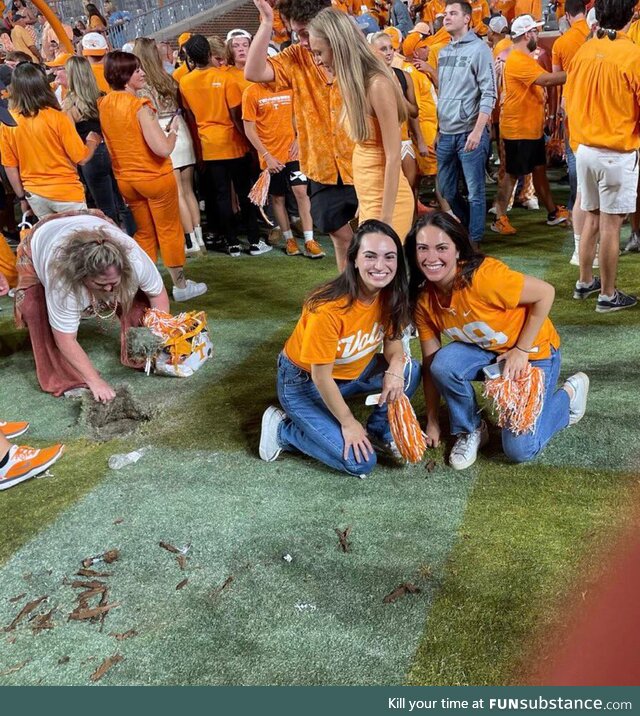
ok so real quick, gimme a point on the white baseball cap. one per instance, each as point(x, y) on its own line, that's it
point(591, 18)
point(498, 23)
point(522, 24)
point(93, 43)
point(238, 32)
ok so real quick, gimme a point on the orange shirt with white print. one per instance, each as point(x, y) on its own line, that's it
point(46, 149)
point(210, 94)
point(479, 10)
point(325, 148)
point(566, 46)
point(528, 7)
point(272, 113)
point(331, 333)
point(131, 156)
point(485, 313)
point(522, 115)
point(603, 89)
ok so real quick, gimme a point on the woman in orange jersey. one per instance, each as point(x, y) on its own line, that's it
point(41, 153)
point(162, 90)
point(374, 108)
point(140, 152)
point(334, 353)
point(97, 22)
point(215, 99)
point(490, 314)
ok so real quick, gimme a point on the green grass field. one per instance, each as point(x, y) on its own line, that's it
point(495, 550)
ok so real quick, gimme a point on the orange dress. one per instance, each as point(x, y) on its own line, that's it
point(368, 181)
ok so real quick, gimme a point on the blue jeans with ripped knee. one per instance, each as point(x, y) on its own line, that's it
point(312, 429)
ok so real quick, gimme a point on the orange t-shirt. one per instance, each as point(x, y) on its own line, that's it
point(566, 46)
point(528, 7)
point(180, 72)
point(46, 148)
point(273, 114)
point(22, 40)
point(522, 115)
point(442, 37)
point(348, 338)
point(506, 8)
point(98, 72)
point(95, 23)
point(603, 89)
point(432, 10)
point(485, 313)
point(501, 46)
point(238, 75)
point(131, 156)
point(280, 32)
point(634, 32)
point(211, 94)
point(479, 10)
point(325, 148)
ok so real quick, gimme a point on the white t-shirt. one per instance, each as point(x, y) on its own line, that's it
point(63, 308)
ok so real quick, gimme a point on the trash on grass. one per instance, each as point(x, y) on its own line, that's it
point(108, 557)
point(303, 607)
point(287, 557)
point(120, 460)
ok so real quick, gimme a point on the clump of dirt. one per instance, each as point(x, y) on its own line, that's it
point(119, 418)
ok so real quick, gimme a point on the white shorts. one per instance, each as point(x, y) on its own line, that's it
point(407, 149)
point(607, 180)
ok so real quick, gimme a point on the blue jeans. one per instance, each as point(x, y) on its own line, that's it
point(312, 429)
point(573, 174)
point(456, 365)
point(451, 156)
point(98, 176)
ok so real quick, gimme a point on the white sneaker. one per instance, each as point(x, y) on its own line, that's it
point(191, 250)
point(575, 260)
point(465, 449)
point(259, 248)
point(531, 204)
point(578, 385)
point(270, 448)
point(191, 290)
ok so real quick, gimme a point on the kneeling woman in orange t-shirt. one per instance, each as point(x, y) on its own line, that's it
point(491, 315)
point(140, 153)
point(334, 353)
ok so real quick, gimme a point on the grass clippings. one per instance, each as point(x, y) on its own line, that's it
point(105, 666)
point(400, 591)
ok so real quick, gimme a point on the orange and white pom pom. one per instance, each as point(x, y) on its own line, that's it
point(518, 402)
point(405, 429)
point(176, 331)
point(260, 190)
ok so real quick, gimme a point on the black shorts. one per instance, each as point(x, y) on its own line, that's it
point(332, 205)
point(524, 155)
point(290, 175)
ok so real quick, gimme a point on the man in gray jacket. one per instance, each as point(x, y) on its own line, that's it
point(467, 93)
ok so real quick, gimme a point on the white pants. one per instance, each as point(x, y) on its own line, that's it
point(607, 180)
point(42, 206)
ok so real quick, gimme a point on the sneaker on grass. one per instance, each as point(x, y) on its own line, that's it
point(270, 448)
point(617, 302)
point(577, 387)
point(465, 448)
point(260, 247)
point(25, 462)
point(633, 245)
point(13, 430)
point(291, 248)
point(503, 226)
point(559, 216)
point(313, 250)
point(191, 290)
point(582, 290)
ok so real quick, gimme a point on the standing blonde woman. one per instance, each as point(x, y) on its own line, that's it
point(81, 104)
point(162, 90)
point(374, 109)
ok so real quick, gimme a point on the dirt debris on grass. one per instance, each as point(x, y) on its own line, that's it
point(400, 591)
point(42, 622)
point(26, 610)
point(17, 598)
point(109, 556)
point(63, 660)
point(169, 547)
point(107, 664)
point(116, 419)
point(124, 635)
point(82, 613)
point(15, 667)
point(182, 584)
point(225, 585)
point(182, 562)
point(430, 465)
point(343, 539)
point(92, 573)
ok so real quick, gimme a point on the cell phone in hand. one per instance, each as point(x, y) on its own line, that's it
point(177, 113)
point(493, 370)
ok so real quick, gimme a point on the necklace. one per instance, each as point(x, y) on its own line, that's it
point(450, 310)
point(108, 309)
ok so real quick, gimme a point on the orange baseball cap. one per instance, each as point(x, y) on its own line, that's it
point(413, 41)
point(395, 35)
point(185, 37)
point(59, 60)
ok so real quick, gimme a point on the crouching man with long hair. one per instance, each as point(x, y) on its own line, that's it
point(77, 265)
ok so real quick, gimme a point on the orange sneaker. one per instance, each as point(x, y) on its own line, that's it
point(502, 225)
point(291, 248)
point(313, 250)
point(25, 462)
point(13, 430)
point(559, 216)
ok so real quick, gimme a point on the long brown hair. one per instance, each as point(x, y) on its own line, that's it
point(84, 92)
point(146, 50)
point(29, 91)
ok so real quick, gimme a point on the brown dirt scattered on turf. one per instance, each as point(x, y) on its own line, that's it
point(400, 591)
point(182, 584)
point(105, 666)
point(119, 418)
point(124, 635)
point(343, 539)
point(27, 609)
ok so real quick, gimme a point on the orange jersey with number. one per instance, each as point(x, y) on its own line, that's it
point(331, 333)
point(485, 313)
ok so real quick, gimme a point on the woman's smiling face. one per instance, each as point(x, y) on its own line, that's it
point(377, 261)
point(437, 256)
